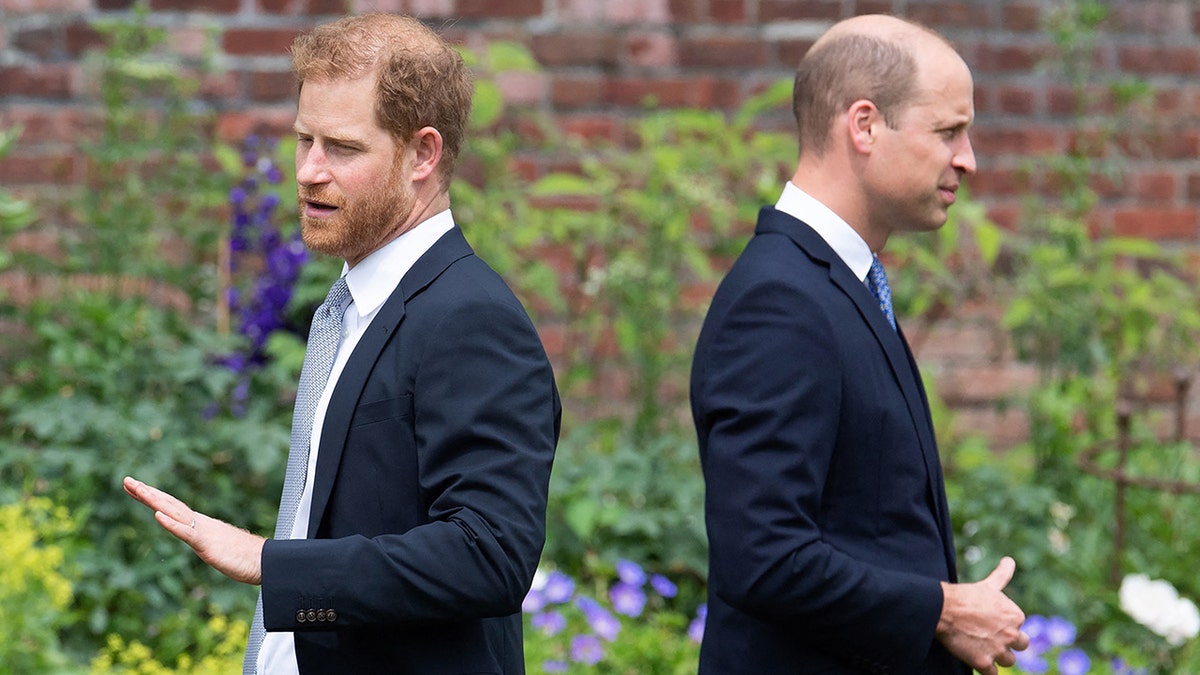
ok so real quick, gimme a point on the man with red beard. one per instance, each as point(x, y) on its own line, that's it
point(413, 512)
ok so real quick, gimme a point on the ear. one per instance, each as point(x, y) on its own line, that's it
point(426, 146)
point(862, 121)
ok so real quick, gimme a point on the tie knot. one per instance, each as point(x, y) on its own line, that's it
point(337, 295)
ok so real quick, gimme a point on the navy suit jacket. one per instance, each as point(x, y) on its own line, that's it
point(429, 497)
point(825, 507)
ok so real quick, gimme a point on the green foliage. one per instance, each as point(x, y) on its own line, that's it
point(150, 194)
point(35, 586)
point(15, 214)
point(218, 651)
point(613, 498)
point(118, 373)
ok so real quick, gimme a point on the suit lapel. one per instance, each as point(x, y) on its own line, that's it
point(890, 341)
point(450, 247)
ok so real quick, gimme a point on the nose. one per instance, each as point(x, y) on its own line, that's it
point(311, 165)
point(964, 157)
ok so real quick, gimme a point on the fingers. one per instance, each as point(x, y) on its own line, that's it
point(1003, 574)
point(1022, 642)
point(164, 505)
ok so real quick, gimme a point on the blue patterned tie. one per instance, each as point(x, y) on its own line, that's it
point(323, 340)
point(878, 284)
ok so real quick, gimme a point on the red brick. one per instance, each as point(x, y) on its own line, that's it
point(992, 140)
point(635, 91)
point(207, 6)
point(235, 126)
point(1155, 186)
point(278, 6)
point(986, 383)
point(114, 5)
point(1193, 188)
point(576, 48)
point(951, 14)
point(568, 92)
point(427, 9)
point(1154, 18)
point(49, 123)
point(268, 86)
point(592, 127)
point(684, 10)
point(634, 12)
point(1015, 99)
point(789, 52)
point(258, 41)
point(722, 52)
point(651, 50)
point(325, 8)
point(990, 182)
point(1148, 60)
point(1019, 16)
point(21, 169)
point(727, 11)
point(496, 9)
point(1003, 428)
point(784, 10)
point(875, 7)
point(1060, 100)
point(46, 81)
point(1160, 223)
point(44, 6)
point(40, 42)
point(80, 37)
point(1000, 58)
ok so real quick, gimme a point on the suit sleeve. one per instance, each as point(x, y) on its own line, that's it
point(486, 415)
point(769, 404)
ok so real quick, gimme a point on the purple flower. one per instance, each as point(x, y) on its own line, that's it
point(559, 587)
point(601, 620)
point(533, 603)
point(1121, 668)
point(1073, 662)
point(550, 623)
point(1031, 662)
point(586, 649)
point(695, 629)
point(627, 600)
point(555, 666)
point(631, 573)
point(237, 195)
point(1059, 632)
point(663, 586)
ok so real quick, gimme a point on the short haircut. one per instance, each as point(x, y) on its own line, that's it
point(421, 80)
point(845, 69)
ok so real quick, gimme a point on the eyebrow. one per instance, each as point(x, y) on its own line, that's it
point(331, 140)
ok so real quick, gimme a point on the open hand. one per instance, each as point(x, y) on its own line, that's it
point(231, 551)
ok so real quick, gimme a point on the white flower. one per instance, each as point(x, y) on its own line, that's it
point(1156, 605)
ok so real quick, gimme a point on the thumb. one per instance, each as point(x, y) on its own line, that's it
point(1003, 574)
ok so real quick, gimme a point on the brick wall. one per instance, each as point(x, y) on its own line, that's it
point(601, 58)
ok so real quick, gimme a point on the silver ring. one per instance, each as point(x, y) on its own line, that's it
point(193, 523)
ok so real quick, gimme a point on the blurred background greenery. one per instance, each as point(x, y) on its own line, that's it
point(170, 346)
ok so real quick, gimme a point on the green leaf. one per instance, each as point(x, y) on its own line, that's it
point(508, 56)
point(487, 105)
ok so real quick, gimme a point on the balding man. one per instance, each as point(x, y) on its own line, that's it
point(830, 541)
point(414, 507)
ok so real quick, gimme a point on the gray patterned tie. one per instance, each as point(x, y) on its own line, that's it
point(323, 340)
point(878, 284)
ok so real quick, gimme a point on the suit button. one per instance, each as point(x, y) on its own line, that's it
point(312, 615)
point(332, 615)
point(300, 616)
point(321, 615)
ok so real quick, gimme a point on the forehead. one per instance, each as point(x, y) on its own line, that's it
point(338, 104)
point(945, 88)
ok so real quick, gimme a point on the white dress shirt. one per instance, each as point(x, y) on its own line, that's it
point(850, 247)
point(371, 282)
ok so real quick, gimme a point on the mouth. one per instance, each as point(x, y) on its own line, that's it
point(947, 193)
point(316, 209)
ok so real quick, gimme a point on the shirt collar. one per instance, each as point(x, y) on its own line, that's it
point(842, 238)
point(373, 280)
